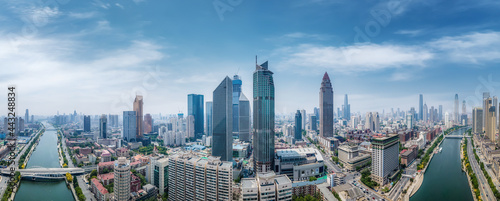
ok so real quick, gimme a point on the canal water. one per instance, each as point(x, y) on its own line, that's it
point(46, 156)
point(444, 179)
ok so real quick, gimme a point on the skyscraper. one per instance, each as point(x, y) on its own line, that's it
point(86, 123)
point(27, 116)
point(236, 101)
point(486, 95)
point(490, 119)
point(425, 114)
point(263, 118)
point(209, 108)
point(346, 109)
point(148, 123)
point(440, 113)
point(421, 107)
point(195, 108)
point(102, 126)
point(244, 119)
point(477, 120)
point(122, 173)
point(385, 158)
point(223, 120)
point(326, 107)
point(298, 126)
point(455, 111)
point(138, 103)
point(129, 126)
point(313, 121)
point(303, 113)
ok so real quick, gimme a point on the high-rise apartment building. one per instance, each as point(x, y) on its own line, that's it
point(195, 108)
point(303, 113)
point(223, 120)
point(298, 126)
point(490, 119)
point(267, 186)
point(103, 126)
point(313, 122)
point(27, 116)
point(263, 118)
point(440, 113)
point(138, 103)
point(129, 126)
point(456, 117)
point(122, 176)
point(385, 158)
point(477, 120)
point(326, 107)
point(192, 177)
point(372, 121)
point(148, 123)
point(160, 174)
point(425, 115)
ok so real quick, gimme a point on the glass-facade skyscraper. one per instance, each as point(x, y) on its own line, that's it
point(421, 107)
point(223, 120)
point(326, 107)
point(298, 126)
point(244, 118)
point(236, 101)
point(263, 118)
point(195, 108)
point(209, 108)
point(129, 126)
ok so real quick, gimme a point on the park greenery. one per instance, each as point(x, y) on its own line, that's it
point(472, 175)
point(147, 150)
point(367, 180)
point(69, 177)
point(315, 197)
point(428, 153)
point(11, 186)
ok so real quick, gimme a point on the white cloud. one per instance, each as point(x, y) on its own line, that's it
point(473, 48)
point(84, 15)
point(412, 33)
point(119, 5)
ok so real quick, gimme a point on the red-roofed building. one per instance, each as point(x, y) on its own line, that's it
point(135, 183)
point(122, 152)
point(105, 156)
point(106, 179)
point(108, 165)
point(101, 193)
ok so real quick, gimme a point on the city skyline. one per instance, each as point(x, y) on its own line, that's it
point(403, 59)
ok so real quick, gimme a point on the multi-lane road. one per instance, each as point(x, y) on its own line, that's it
point(486, 193)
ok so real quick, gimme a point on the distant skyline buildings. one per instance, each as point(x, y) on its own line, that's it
point(298, 126)
point(263, 118)
point(196, 108)
point(209, 111)
point(326, 107)
point(138, 104)
point(103, 127)
point(346, 109)
point(421, 107)
point(456, 117)
point(129, 126)
point(86, 123)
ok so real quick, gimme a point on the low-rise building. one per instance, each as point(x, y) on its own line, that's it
point(330, 144)
point(100, 193)
point(299, 164)
point(351, 157)
point(105, 156)
point(266, 187)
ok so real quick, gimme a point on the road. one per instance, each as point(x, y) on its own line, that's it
point(486, 193)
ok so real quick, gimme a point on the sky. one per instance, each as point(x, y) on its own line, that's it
point(95, 56)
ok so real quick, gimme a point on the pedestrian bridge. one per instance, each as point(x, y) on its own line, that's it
point(43, 174)
point(457, 136)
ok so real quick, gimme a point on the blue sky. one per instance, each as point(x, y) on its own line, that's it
point(94, 56)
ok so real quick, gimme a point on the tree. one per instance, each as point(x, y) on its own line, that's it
point(69, 177)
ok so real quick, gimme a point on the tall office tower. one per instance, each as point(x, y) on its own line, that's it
point(191, 177)
point(103, 126)
point(148, 123)
point(410, 121)
point(456, 118)
point(267, 186)
point(440, 113)
point(385, 157)
point(354, 121)
point(425, 114)
point(372, 121)
point(195, 108)
point(236, 101)
point(244, 119)
point(32, 119)
point(303, 113)
point(27, 116)
point(160, 174)
point(495, 103)
point(209, 108)
point(298, 126)
point(138, 103)
point(190, 127)
point(421, 107)
point(432, 116)
point(129, 126)
point(414, 113)
point(86, 123)
point(339, 113)
point(223, 120)
point(464, 108)
point(486, 95)
point(263, 118)
point(490, 119)
point(122, 179)
point(326, 107)
point(316, 112)
point(346, 109)
point(313, 122)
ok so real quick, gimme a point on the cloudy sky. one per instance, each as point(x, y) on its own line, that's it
point(94, 56)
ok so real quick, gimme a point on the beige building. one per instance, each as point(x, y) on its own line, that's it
point(385, 158)
point(351, 158)
point(266, 187)
point(191, 177)
point(122, 179)
point(490, 120)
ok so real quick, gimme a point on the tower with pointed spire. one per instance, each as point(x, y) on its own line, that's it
point(326, 107)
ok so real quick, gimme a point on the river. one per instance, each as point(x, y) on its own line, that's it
point(444, 179)
point(45, 155)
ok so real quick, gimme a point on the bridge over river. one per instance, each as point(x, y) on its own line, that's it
point(44, 174)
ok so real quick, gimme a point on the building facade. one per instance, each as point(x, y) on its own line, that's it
point(326, 107)
point(222, 120)
point(385, 157)
point(195, 108)
point(122, 179)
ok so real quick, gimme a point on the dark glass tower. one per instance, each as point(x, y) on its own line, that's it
point(86, 123)
point(421, 108)
point(263, 118)
point(298, 126)
point(195, 108)
point(236, 102)
point(223, 120)
point(326, 107)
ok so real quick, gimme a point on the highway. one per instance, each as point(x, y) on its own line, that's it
point(486, 193)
